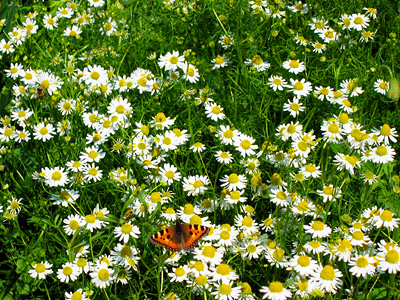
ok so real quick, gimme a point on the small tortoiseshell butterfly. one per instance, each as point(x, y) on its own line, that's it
point(180, 236)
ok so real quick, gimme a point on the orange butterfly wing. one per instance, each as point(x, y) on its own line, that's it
point(193, 233)
point(179, 236)
point(167, 238)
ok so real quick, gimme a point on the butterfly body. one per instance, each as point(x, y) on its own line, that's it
point(181, 236)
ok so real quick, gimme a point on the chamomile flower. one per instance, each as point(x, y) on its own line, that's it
point(299, 7)
point(275, 291)
point(55, 176)
point(6, 47)
point(234, 182)
point(226, 235)
point(359, 21)
point(300, 88)
point(78, 294)
point(314, 247)
point(381, 86)
point(382, 154)
point(220, 62)
point(318, 47)
point(227, 135)
point(389, 260)
point(191, 73)
point(253, 249)
point(347, 162)
point(22, 135)
point(142, 80)
point(223, 272)
point(73, 31)
point(195, 185)
point(7, 134)
point(371, 12)
point(329, 193)
point(302, 264)
point(66, 106)
point(64, 12)
point(209, 254)
point(92, 173)
point(69, 272)
point(179, 274)
point(246, 225)
point(318, 24)
point(198, 147)
point(214, 111)
point(102, 275)
point(41, 270)
point(280, 198)
point(14, 205)
point(167, 141)
point(75, 166)
point(386, 134)
point(386, 219)
point(126, 231)
point(366, 36)
point(327, 279)
point(72, 223)
point(161, 122)
point(357, 238)
point(257, 63)
point(294, 66)
point(95, 75)
point(50, 22)
point(43, 132)
point(277, 82)
point(16, 70)
point(92, 154)
point(172, 61)
point(328, 35)
point(311, 170)
point(109, 27)
point(20, 114)
point(121, 107)
point(294, 107)
point(345, 21)
point(362, 265)
point(245, 145)
point(223, 157)
point(226, 41)
point(349, 87)
point(332, 131)
point(169, 173)
point(318, 229)
point(324, 92)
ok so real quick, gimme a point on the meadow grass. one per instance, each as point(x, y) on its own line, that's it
point(271, 123)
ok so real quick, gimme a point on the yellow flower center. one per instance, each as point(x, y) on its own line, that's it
point(126, 228)
point(386, 216)
point(328, 273)
point(67, 271)
point(294, 64)
point(318, 226)
point(245, 144)
point(90, 219)
point(104, 274)
point(298, 86)
point(209, 251)
point(95, 75)
point(40, 268)
point(276, 287)
point(392, 256)
point(44, 131)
